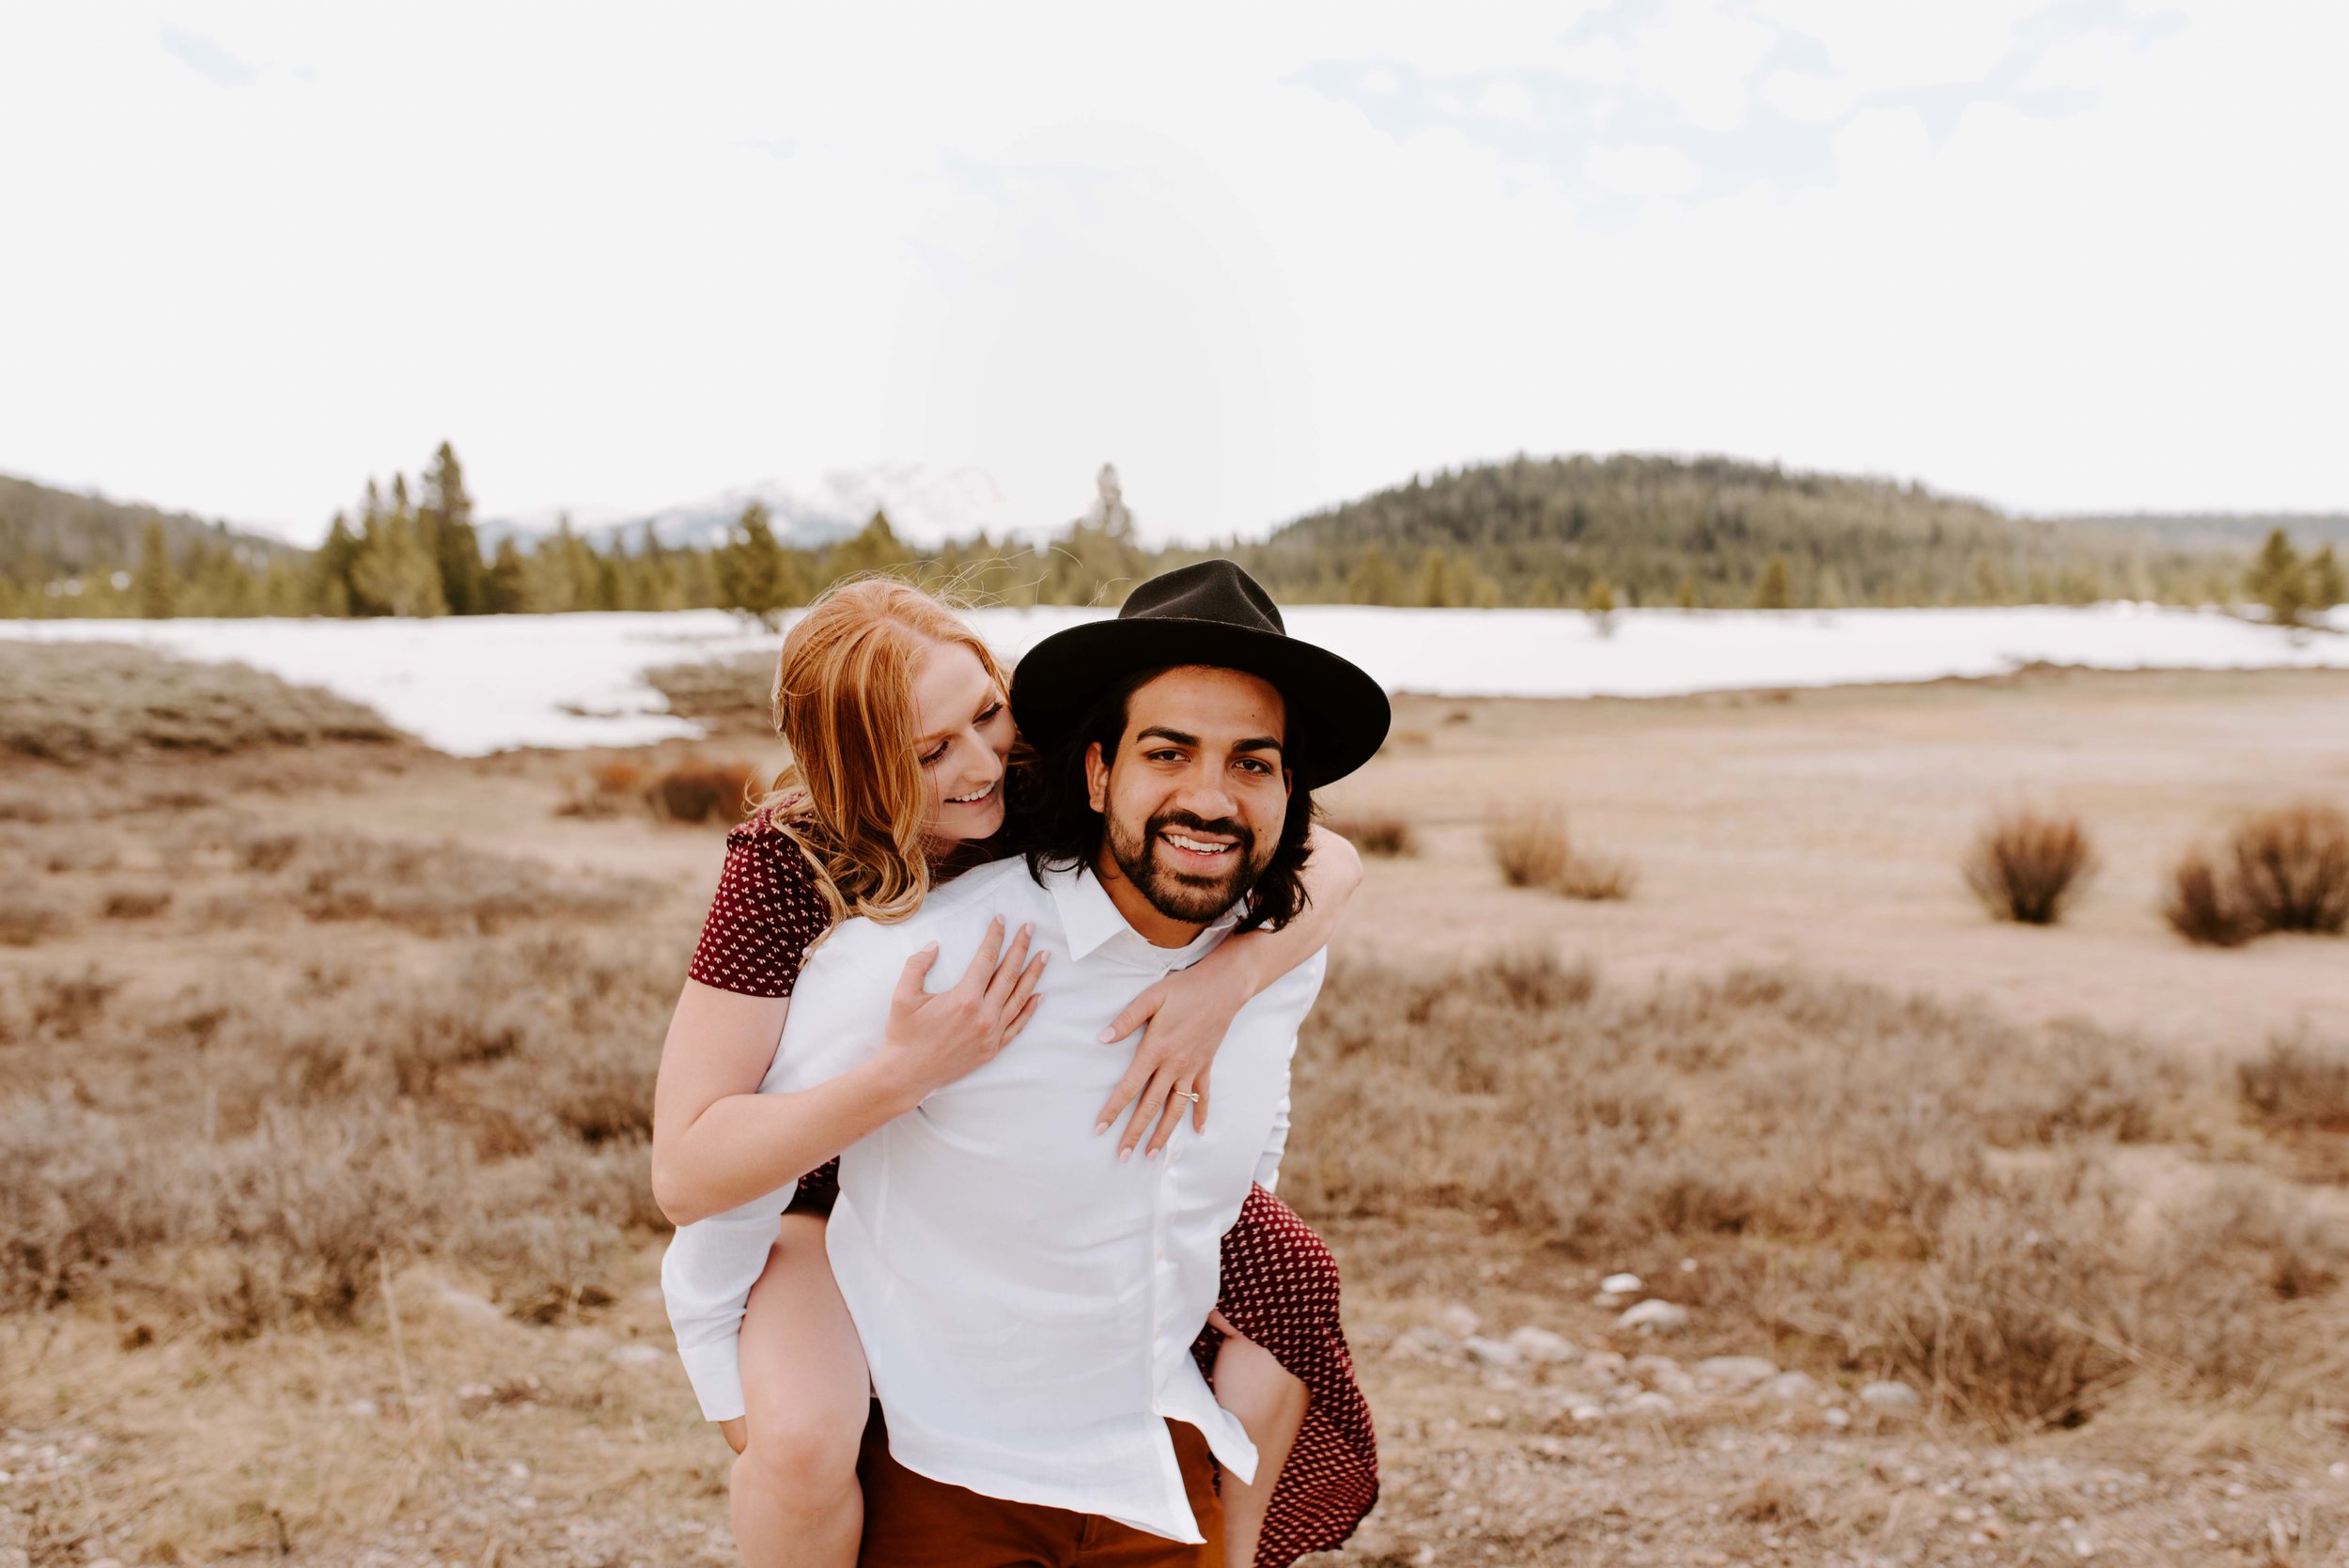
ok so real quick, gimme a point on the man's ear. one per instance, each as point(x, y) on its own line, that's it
point(1097, 779)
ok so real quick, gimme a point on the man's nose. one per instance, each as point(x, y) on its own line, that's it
point(1203, 794)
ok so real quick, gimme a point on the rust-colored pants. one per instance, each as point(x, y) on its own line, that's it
point(912, 1521)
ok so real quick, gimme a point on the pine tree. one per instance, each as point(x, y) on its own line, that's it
point(1374, 580)
point(874, 548)
point(2327, 586)
point(1773, 592)
point(393, 573)
point(1600, 604)
point(2278, 580)
point(506, 586)
point(1435, 580)
point(752, 570)
point(445, 522)
point(331, 592)
point(155, 585)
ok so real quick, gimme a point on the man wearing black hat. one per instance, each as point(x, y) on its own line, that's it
point(1026, 1299)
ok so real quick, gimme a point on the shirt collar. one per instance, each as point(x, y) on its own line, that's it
point(1089, 919)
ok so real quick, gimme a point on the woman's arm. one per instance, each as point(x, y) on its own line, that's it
point(1189, 1011)
point(718, 1144)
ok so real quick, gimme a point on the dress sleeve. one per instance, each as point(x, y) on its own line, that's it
point(767, 913)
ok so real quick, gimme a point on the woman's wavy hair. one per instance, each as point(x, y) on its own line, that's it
point(1056, 826)
point(853, 798)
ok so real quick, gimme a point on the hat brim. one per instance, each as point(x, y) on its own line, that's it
point(1337, 714)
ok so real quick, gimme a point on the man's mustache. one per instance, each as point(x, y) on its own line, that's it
point(1222, 827)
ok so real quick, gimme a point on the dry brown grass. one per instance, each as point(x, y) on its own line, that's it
point(30, 916)
point(2026, 865)
point(1383, 834)
point(733, 695)
point(239, 1153)
point(1532, 849)
point(2299, 1084)
point(1883, 1184)
point(79, 702)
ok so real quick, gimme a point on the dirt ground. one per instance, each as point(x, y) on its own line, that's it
point(1816, 829)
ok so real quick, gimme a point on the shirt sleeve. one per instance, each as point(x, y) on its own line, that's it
point(766, 912)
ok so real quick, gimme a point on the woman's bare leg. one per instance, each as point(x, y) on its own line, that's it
point(1271, 1403)
point(804, 1389)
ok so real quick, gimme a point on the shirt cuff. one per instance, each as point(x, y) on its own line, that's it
point(715, 1370)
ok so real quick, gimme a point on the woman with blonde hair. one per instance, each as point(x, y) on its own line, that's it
point(904, 769)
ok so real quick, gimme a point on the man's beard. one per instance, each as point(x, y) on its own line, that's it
point(1193, 899)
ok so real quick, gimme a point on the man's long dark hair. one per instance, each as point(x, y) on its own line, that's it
point(1054, 823)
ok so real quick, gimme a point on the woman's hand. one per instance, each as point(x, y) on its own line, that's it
point(935, 1039)
point(1188, 1013)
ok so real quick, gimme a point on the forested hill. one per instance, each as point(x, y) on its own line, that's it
point(47, 532)
point(1706, 532)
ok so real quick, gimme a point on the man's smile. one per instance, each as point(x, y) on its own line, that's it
point(1203, 852)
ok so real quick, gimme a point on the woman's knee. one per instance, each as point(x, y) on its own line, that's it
point(799, 1452)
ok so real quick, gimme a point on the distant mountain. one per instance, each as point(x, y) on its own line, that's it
point(926, 505)
point(2227, 529)
point(47, 532)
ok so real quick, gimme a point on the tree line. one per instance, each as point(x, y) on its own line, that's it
point(1583, 533)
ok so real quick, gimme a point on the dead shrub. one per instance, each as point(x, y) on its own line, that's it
point(1530, 846)
point(1380, 833)
point(698, 790)
point(2283, 870)
point(613, 785)
point(64, 1006)
point(30, 916)
point(140, 902)
point(2291, 868)
point(2204, 905)
point(2026, 865)
point(1596, 879)
point(2298, 1085)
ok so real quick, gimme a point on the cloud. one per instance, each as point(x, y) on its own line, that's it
point(207, 57)
point(1640, 171)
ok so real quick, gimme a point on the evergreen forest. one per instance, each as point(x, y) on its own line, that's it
point(1587, 533)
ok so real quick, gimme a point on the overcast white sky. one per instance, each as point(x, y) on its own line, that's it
point(2071, 255)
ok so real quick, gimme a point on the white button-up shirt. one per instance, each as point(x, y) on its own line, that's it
point(1027, 1303)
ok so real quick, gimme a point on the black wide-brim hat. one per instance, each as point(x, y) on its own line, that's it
point(1210, 614)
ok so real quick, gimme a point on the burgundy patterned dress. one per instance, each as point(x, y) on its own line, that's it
point(1280, 1282)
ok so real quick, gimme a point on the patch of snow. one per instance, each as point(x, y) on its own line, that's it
point(477, 684)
